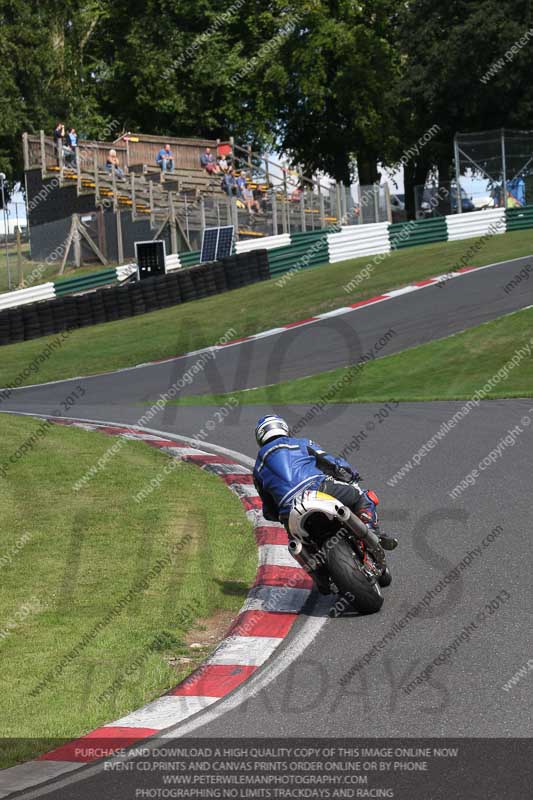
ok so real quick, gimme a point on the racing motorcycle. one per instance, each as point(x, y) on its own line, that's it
point(340, 552)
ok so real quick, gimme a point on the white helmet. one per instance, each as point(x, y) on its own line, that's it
point(268, 427)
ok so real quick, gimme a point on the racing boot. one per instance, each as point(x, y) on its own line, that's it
point(367, 512)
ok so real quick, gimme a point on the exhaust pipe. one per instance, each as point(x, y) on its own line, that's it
point(362, 531)
point(299, 553)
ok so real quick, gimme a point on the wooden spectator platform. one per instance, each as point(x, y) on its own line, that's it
point(188, 198)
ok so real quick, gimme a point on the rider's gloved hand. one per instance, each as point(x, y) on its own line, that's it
point(346, 475)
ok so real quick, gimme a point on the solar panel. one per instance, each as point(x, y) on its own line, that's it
point(150, 258)
point(225, 242)
point(217, 243)
point(209, 245)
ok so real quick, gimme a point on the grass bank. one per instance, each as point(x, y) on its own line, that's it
point(68, 558)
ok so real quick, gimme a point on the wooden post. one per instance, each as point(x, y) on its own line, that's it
point(26, 151)
point(78, 173)
point(96, 178)
point(68, 245)
point(114, 187)
point(120, 245)
point(19, 258)
point(202, 215)
point(61, 163)
point(76, 240)
point(151, 197)
point(322, 210)
point(172, 223)
point(133, 199)
point(43, 154)
point(234, 216)
point(274, 203)
point(302, 209)
point(387, 202)
point(283, 214)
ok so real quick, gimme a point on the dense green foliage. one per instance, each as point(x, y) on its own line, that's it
point(324, 80)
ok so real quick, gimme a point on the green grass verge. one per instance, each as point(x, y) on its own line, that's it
point(447, 369)
point(248, 310)
point(66, 560)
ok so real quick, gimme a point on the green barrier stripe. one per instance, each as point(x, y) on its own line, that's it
point(519, 219)
point(85, 282)
point(190, 258)
point(422, 231)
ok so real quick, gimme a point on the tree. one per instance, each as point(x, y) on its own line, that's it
point(330, 88)
point(448, 47)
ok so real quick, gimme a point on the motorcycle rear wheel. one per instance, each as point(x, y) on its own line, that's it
point(350, 580)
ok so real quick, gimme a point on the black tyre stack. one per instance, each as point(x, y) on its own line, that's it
point(137, 300)
point(118, 302)
point(186, 286)
point(151, 303)
point(110, 300)
point(168, 290)
point(16, 325)
point(30, 321)
point(124, 302)
point(70, 312)
point(83, 310)
point(4, 328)
point(98, 313)
point(50, 318)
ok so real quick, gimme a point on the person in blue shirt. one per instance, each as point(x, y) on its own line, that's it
point(241, 185)
point(286, 467)
point(165, 159)
point(229, 183)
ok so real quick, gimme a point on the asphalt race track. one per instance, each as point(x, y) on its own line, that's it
point(422, 316)
point(313, 695)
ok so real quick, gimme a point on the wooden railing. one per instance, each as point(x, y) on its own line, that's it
point(132, 150)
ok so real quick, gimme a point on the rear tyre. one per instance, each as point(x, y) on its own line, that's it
point(351, 581)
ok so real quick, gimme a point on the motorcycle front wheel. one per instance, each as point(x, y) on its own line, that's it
point(350, 580)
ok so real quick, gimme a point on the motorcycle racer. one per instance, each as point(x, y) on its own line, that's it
point(286, 467)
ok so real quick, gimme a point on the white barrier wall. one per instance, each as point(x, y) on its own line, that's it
point(125, 271)
point(172, 262)
point(476, 223)
point(264, 243)
point(359, 240)
point(44, 291)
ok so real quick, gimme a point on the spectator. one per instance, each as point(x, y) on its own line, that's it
point(223, 164)
point(72, 138)
point(59, 135)
point(229, 184)
point(209, 163)
point(69, 153)
point(241, 184)
point(296, 195)
point(165, 159)
point(251, 203)
point(72, 143)
point(113, 165)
